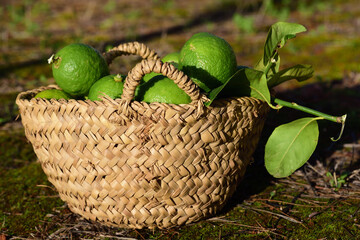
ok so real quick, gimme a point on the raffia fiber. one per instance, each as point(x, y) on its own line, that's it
point(133, 164)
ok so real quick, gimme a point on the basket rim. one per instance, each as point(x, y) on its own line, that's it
point(24, 97)
point(131, 109)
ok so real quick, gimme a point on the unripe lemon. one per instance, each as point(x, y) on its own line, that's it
point(111, 85)
point(53, 94)
point(172, 58)
point(208, 60)
point(76, 67)
point(163, 90)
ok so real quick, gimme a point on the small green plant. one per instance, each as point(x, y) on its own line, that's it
point(291, 144)
point(337, 181)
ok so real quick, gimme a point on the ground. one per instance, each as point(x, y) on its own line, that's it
point(319, 201)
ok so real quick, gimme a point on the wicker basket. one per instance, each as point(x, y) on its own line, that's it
point(131, 164)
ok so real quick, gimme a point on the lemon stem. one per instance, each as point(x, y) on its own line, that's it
point(118, 78)
point(337, 119)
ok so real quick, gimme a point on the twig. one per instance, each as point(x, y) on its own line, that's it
point(114, 237)
point(314, 169)
point(323, 210)
point(337, 119)
point(351, 145)
point(356, 211)
point(308, 181)
point(223, 220)
point(220, 219)
point(292, 182)
point(305, 200)
point(288, 203)
point(349, 231)
point(269, 212)
point(287, 209)
point(262, 228)
point(139, 234)
point(56, 233)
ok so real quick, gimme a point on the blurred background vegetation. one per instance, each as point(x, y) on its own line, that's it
point(31, 30)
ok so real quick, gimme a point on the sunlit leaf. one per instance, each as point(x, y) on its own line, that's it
point(300, 72)
point(274, 69)
point(258, 86)
point(218, 91)
point(245, 82)
point(290, 146)
point(277, 36)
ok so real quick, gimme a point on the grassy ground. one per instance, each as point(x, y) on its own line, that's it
point(319, 201)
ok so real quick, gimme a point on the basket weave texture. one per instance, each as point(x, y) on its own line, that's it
point(131, 164)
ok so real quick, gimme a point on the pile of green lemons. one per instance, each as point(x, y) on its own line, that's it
point(82, 73)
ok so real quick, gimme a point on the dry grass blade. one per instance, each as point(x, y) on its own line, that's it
point(114, 237)
point(72, 226)
point(288, 203)
point(273, 213)
point(250, 227)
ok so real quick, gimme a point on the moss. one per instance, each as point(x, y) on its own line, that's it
point(334, 222)
point(25, 200)
point(15, 150)
point(8, 108)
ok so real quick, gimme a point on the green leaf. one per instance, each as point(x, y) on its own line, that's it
point(245, 82)
point(273, 69)
point(219, 90)
point(290, 146)
point(258, 86)
point(300, 72)
point(277, 36)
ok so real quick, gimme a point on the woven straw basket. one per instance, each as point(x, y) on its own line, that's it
point(131, 164)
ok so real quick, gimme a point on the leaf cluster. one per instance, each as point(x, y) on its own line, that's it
point(291, 144)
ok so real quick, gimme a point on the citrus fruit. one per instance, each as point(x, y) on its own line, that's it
point(76, 67)
point(208, 60)
point(110, 85)
point(172, 58)
point(163, 90)
point(149, 76)
point(53, 93)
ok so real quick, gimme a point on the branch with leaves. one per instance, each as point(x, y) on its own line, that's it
point(290, 145)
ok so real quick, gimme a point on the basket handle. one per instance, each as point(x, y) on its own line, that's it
point(130, 48)
point(149, 65)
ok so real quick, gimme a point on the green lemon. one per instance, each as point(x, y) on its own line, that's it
point(149, 76)
point(208, 60)
point(163, 90)
point(53, 94)
point(111, 85)
point(76, 67)
point(172, 58)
